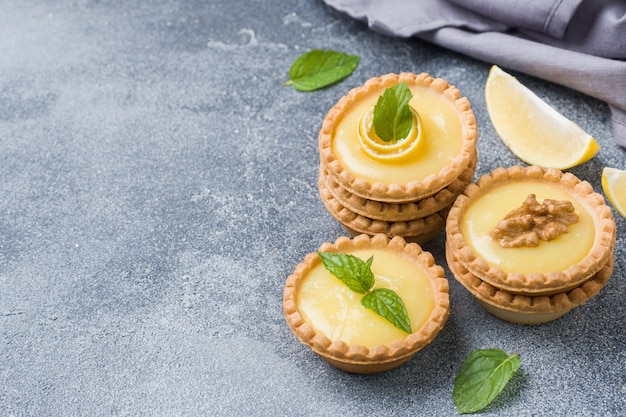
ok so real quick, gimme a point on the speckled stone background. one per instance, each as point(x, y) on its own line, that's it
point(158, 185)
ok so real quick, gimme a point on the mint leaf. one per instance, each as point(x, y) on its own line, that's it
point(352, 271)
point(320, 68)
point(387, 304)
point(392, 114)
point(358, 276)
point(483, 375)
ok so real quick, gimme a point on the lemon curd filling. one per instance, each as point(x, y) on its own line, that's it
point(439, 143)
point(556, 255)
point(334, 310)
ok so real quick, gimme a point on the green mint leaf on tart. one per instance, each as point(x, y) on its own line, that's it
point(352, 271)
point(393, 118)
point(386, 303)
point(320, 68)
point(483, 375)
point(358, 276)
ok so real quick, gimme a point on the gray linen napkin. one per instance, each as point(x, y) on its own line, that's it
point(580, 44)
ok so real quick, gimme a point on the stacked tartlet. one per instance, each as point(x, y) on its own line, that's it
point(405, 188)
point(329, 317)
point(530, 243)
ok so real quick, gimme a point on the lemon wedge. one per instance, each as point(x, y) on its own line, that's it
point(614, 186)
point(535, 132)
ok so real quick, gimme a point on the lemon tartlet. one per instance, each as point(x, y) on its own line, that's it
point(328, 317)
point(399, 182)
point(530, 243)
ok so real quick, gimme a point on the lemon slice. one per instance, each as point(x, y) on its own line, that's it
point(374, 147)
point(614, 186)
point(535, 132)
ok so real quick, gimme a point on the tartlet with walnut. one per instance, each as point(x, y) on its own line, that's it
point(510, 240)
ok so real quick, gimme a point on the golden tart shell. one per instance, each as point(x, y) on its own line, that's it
point(523, 309)
point(400, 192)
point(362, 359)
point(419, 230)
point(396, 212)
point(535, 284)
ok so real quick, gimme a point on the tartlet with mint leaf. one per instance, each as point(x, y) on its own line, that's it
point(368, 304)
point(395, 146)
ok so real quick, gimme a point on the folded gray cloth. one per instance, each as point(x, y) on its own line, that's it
point(580, 44)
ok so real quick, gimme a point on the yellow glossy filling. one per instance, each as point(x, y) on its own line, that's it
point(334, 310)
point(556, 255)
point(440, 143)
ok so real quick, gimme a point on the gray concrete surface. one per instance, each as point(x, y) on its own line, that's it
point(158, 185)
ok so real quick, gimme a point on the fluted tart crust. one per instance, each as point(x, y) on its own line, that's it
point(358, 223)
point(398, 212)
point(524, 309)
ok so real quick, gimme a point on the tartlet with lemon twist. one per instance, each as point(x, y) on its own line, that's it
point(445, 151)
point(402, 187)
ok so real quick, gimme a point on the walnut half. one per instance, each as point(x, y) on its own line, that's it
point(532, 222)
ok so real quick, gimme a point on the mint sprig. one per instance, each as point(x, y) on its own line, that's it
point(320, 68)
point(483, 375)
point(393, 118)
point(358, 276)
